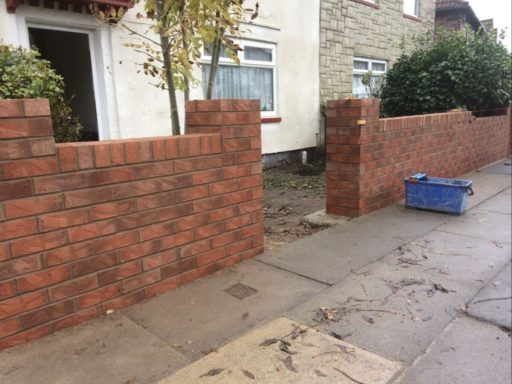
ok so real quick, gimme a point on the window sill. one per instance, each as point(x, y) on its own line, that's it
point(270, 120)
point(413, 18)
point(367, 3)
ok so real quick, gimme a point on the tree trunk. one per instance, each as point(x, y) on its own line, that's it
point(217, 45)
point(186, 92)
point(164, 42)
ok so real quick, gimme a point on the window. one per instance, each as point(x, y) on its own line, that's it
point(411, 7)
point(362, 66)
point(254, 78)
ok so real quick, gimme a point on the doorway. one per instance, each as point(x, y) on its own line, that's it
point(69, 54)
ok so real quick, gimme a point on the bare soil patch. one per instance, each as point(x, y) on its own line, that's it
point(291, 192)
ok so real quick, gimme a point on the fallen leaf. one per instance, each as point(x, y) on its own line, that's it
point(368, 319)
point(212, 372)
point(337, 335)
point(288, 363)
point(439, 287)
point(283, 346)
point(245, 315)
point(411, 281)
point(267, 342)
point(250, 375)
point(340, 337)
point(326, 314)
point(297, 332)
point(345, 349)
point(320, 373)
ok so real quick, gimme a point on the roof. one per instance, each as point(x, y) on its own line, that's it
point(459, 5)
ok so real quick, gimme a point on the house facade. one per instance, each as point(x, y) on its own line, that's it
point(118, 103)
point(455, 15)
point(296, 55)
point(361, 35)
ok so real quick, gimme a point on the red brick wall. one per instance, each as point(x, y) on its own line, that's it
point(368, 157)
point(89, 227)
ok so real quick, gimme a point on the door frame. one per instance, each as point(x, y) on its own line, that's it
point(65, 21)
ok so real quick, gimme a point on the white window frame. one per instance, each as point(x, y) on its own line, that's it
point(416, 11)
point(370, 62)
point(206, 59)
point(65, 21)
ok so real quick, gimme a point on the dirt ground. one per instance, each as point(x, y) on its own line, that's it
point(291, 192)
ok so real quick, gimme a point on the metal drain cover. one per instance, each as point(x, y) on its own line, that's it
point(240, 291)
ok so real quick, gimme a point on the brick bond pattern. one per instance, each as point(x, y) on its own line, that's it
point(368, 157)
point(89, 227)
point(355, 28)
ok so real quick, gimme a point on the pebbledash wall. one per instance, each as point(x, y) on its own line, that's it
point(89, 227)
point(368, 158)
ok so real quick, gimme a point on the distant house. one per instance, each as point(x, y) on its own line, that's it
point(296, 55)
point(455, 15)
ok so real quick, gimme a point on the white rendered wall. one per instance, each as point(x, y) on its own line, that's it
point(131, 107)
point(298, 40)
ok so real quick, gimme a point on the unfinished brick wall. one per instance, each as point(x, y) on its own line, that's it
point(368, 157)
point(88, 227)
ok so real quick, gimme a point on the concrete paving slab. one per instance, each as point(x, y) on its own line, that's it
point(503, 167)
point(485, 185)
point(494, 303)
point(202, 316)
point(315, 358)
point(501, 203)
point(453, 256)
point(331, 254)
point(479, 223)
point(111, 350)
point(468, 352)
point(390, 310)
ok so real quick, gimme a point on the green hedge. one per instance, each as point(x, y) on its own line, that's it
point(449, 71)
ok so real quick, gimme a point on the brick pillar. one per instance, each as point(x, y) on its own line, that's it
point(239, 123)
point(350, 124)
point(28, 147)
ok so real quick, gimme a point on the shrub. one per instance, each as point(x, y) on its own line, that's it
point(452, 70)
point(24, 75)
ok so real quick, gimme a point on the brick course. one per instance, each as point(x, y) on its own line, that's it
point(88, 227)
point(368, 157)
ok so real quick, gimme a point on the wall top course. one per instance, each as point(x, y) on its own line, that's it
point(24, 108)
point(225, 105)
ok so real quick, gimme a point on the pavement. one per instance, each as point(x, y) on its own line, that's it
point(397, 296)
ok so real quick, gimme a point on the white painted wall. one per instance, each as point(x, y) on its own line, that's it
point(131, 107)
point(298, 41)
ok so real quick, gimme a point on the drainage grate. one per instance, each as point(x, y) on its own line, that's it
point(240, 291)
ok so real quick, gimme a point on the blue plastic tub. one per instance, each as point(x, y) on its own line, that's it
point(437, 194)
